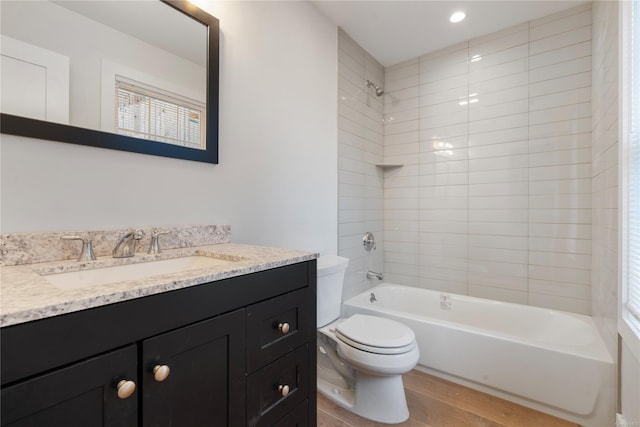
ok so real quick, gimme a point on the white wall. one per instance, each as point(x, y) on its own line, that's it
point(277, 178)
point(497, 158)
point(608, 36)
point(629, 385)
point(360, 142)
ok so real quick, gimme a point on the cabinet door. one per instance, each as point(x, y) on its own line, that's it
point(84, 394)
point(205, 384)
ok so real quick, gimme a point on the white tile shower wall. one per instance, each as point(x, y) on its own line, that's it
point(604, 170)
point(494, 198)
point(360, 148)
point(444, 170)
point(401, 185)
point(560, 175)
point(498, 165)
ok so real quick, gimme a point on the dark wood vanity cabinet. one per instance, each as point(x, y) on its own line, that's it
point(234, 352)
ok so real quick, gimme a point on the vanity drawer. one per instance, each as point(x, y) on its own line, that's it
point(267, 397)
point(275, 327)
point(299, 417)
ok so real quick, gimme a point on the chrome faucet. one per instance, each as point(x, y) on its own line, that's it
point(126, 246)
point(374, 275)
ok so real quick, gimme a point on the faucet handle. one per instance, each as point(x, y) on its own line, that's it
point(154, 246)
point(86, 254)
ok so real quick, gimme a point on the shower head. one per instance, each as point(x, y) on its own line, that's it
point(379, 90)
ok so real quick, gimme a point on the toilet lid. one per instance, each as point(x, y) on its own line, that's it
point(376, 334)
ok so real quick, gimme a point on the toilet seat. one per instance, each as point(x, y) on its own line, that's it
point(376, 350)
point(375, 335)
point(376, 363)
point(374, 360)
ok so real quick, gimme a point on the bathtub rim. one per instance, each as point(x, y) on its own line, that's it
point(595, 350)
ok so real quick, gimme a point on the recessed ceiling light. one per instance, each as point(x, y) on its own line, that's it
point(457, 16)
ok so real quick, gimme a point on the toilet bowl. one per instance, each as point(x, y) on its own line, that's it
point(361, 359)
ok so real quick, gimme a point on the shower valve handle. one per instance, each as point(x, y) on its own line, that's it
point(368, 241)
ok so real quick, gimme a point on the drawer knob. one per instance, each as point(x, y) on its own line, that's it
point(161, 372)
point(125, 388)
point(283, 327)
point(283, 389)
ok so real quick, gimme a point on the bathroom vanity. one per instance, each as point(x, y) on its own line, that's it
point(229, 345)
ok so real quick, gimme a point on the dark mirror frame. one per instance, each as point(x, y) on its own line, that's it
point(40, 129)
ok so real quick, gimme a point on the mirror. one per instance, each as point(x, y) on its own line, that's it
point(139, 76)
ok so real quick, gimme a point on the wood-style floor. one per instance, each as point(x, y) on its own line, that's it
point(434, 402)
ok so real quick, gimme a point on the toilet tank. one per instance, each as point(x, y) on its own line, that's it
point(331, 269)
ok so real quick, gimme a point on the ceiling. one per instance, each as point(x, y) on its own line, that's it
point(395, 31)
point(148, 21)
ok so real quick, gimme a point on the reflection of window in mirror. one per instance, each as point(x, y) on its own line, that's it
point(148, 112)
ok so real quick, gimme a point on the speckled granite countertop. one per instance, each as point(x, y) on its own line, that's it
point(26, 295)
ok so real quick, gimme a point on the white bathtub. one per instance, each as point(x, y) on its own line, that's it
point(552, 361)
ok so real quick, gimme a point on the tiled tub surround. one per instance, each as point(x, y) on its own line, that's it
point(27, 295)
point(604, 171)
point(360, 148)
point(29, 248)
point(494, 198)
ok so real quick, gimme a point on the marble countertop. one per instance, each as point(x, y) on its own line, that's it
point(26, 295)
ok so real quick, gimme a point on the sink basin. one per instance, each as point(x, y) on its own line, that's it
point(121, 273)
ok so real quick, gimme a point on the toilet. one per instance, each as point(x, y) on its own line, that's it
point(361, 359)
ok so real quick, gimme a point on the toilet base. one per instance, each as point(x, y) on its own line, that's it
point(378, 398)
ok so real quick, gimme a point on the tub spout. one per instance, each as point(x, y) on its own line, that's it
point(374, 275)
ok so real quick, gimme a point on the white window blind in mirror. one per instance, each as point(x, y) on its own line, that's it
point(146, 112)
point(630, 166)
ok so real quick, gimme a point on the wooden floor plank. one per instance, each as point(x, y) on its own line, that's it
point(438, 413)
point(434, 402)
point(326, 419)
point(342, 417)
point(489, 407)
